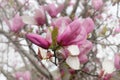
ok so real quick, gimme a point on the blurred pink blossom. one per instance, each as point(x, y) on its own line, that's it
point(107, 77)
point(97, 4)
point(61, 21)
point(83, 59)
point(22, 75)
point(117, 61)
point(88, 23)
point(53, 10)
point(117, 30)
point(84, 50)
point(39, 16)
point(16, 25)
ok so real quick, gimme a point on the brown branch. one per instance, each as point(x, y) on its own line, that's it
point(31, 58)
point(63, 13)
point(74, 9)
point(9, 77)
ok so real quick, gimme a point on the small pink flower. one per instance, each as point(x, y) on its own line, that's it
point(22, 75)
point(39, 16)
point(88, 24)
point(40, 41)
point(53, 10)
point(16, 25)
point(97, 4)
point(117, 61)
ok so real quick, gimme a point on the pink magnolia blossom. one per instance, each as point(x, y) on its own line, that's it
point(97, 4)
point(22, 75)
point(117, 61)
point(39, 16)
point(39, 40)
point(53, 10)
point(72, 33)
point(88, 24)
point(16, 25)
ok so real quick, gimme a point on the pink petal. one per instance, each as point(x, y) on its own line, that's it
point(97, 4)
point(70, 33)
point(53, 10)
point(27, 75)
point(39, 16)
point(38, 40)
point(17, 23)
point(117, 61)
point(85, 47)
point(88, 24)
point(59, 21)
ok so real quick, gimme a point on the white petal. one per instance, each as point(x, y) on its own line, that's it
point(73, 62)
point(43, 52)
point(28, 19)
point(108, 66)
point(74, 50)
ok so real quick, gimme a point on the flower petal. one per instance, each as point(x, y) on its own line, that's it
point(28, 19)
point(74, 50)
point(108, 66)
point(73, 62)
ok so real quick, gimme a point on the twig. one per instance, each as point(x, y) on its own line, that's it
point(31, 58)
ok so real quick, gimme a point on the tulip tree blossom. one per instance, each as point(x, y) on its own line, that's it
point(60, 39)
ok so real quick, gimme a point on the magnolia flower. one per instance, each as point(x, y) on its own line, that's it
point(73, 33)
point(22, 75)
point(117, 61)
point(53, 10)
point(16, 25)
point(88, 24)
point(97, 4)
point(39, 40)
point(39, 17)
